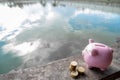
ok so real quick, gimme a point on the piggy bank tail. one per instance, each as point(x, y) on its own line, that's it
point(91, 41)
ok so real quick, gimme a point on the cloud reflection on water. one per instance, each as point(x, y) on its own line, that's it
point(42, 34)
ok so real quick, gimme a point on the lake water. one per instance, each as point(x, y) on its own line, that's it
point(33, 34)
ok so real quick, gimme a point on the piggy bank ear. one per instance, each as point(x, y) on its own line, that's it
point(94, 52)
point(91, 40)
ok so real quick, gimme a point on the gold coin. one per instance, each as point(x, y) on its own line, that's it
point(74, 74)
point(81, 69)
point(73, 63)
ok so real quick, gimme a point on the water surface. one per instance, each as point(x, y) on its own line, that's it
point(34, 34)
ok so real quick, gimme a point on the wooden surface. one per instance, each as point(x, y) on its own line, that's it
point(59, 70)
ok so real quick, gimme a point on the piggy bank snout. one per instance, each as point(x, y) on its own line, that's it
point(111, 50)
point(94, 52)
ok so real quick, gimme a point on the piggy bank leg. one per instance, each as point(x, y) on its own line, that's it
point(102, 69)
point(88, 66)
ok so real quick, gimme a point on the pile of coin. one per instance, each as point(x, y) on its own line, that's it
point(76, 70)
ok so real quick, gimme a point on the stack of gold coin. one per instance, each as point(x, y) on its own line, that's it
point(75, 70)
point(73, 66)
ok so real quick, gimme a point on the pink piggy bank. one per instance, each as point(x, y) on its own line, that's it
point(97, 55)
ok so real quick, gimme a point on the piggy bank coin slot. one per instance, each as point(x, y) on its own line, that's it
point(99, 45)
